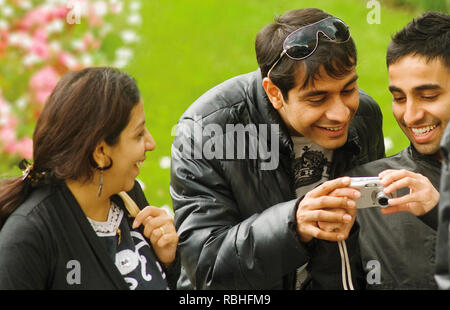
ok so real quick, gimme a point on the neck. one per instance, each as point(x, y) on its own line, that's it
point(94, 207)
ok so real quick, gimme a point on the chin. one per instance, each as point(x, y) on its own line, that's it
point(333, 144)
point(429, 149)
point(129, 186)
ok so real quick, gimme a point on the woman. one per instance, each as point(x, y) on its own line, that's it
point(63, 224)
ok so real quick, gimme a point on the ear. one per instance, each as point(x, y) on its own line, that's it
point(273, 93)
point(100, 154)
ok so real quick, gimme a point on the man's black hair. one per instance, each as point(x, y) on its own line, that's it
point(427, 35)
point(338, 59)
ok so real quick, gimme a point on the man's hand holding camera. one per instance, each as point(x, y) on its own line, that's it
point(422, 196)
point(329, 205)
point(329, 211)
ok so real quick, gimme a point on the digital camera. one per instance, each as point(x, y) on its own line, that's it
point(372, 194)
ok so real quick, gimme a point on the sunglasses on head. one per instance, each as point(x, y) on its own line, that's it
point(302, 43)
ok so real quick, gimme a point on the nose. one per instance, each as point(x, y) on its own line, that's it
point(413, 113)
point(338, 111)
point(150, 143)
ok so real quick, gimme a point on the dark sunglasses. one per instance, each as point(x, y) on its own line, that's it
point(303, 42)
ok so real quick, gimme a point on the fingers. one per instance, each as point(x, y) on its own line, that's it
point(328, 186)
point(401, 183)
point(331, 227)
point(318, 233)
point(390, 178)
point(325, 216)
point(158, 225)
point(159, 228)
point(325, 202)
point(386, 172)
point(331, 202)
point(162, 237)
point(403, 200)
point(422, 195)
point(145, 213)
point(349, 192)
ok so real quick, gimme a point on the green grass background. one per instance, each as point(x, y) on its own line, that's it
point(187, 47)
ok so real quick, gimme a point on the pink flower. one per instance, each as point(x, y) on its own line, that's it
point(67, 60)
point(11, 148)
point(42, 83)
point(40, 45)
point(7, 136)
point(42, 95)
point(40, 35)
point(36, 17)
point(41, 49)
point(24, 148)
point(59, 12)
point(3, 104)
point(90, 42)
point(11, 122)
point(3, 39)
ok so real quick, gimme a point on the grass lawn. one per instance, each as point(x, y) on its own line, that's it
point(187, 47)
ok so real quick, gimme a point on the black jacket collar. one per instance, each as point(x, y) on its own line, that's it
point(416, 156)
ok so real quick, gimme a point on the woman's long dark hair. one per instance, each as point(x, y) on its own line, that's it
point(85, 108)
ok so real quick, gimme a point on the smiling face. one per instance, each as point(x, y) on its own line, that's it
point(321, 112)
point(421, 100)
point(129, 153)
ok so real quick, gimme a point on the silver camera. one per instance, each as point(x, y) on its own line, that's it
point(372, 194)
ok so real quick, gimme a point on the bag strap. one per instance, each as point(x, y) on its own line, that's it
point(130, 205)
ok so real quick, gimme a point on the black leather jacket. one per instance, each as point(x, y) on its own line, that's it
point(236, 222)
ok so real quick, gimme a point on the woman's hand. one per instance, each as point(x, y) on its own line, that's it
point(160, 230)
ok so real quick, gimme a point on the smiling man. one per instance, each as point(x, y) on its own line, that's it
point(242, 225)
point(420, 87)
point(398, 242)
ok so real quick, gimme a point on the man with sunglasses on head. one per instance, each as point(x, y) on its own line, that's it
point(243, 225)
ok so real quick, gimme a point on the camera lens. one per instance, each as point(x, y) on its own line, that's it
point(382, 198)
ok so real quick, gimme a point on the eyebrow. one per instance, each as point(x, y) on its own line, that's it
point(322, 92)
point(417, 88)
point(428, 87)
point(394, 89)
point(141, 124)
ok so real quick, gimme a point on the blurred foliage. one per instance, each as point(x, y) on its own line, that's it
point(424, 5)
point(42, 40)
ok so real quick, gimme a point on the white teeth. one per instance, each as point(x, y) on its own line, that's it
point(333, 128)
point(423, 130)
point(139, 163)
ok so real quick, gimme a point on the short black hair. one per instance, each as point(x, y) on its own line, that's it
point(338, 59)
point(427, 35)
